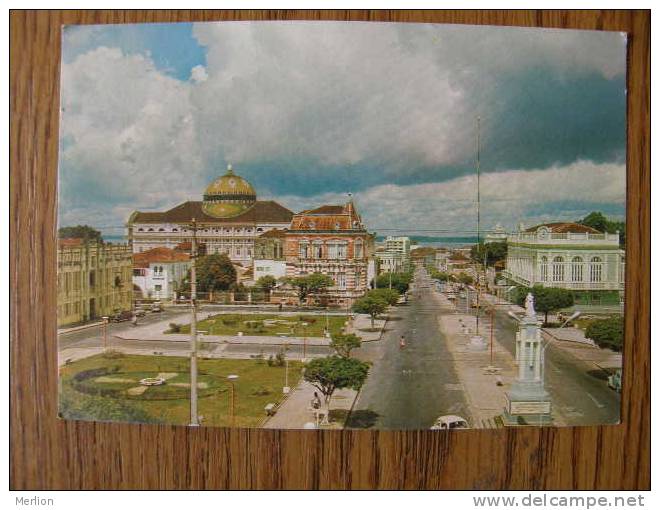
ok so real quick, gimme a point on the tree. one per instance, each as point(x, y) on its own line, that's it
point(601, 223)
point(80, 232)
point(309, 284)
point(343, 344)
point(440, 275)
point(607, 333)
point(335, 372)
point(390, 296)
point(371, 305)
point(400, 281)
point(546, 299)
point(266, 283)
point(492, 252)
point(465, 279)
point(215, 272)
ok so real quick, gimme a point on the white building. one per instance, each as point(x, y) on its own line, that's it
point(159, 273)
point(565, 255)
point(497, 235)
point(395, 255)
point(269, 267)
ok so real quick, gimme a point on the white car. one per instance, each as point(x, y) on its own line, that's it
point(450, 422)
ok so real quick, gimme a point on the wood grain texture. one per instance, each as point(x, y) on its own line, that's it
point(51, 454)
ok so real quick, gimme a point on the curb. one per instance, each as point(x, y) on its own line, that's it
point(78, 328)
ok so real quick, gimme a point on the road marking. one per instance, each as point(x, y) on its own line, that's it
point(595, 401)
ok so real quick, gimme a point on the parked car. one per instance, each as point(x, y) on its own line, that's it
point(449, 422)
point(140, 312)
point(156, 307)
point(614, 380)
point(123, 316)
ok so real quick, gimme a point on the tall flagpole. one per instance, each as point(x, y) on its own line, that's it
point(194, 419)
point(478, 219)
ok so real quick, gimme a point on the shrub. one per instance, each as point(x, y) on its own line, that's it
point(174, 328)
point(607, 333)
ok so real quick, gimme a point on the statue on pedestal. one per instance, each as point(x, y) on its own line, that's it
point(529, 305)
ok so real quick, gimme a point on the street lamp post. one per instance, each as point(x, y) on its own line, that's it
point(232, 379)
point(194, 419)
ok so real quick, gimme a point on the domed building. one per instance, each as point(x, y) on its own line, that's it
point(228, 196)
point(229, 218)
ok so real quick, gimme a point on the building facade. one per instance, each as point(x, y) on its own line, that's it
point(159, 273)
point(332, 240)
point(565, 255)
point(394, 257)
point(94, 279)
point(269, 254)
point(229, 218)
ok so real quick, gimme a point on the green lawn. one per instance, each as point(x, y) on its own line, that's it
point(107, 388)
point(269, 324)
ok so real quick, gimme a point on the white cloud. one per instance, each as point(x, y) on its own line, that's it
point(129, 131)
point(506, 197)
point(198, 74)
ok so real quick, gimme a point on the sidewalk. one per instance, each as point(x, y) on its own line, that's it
point(295, 411)
point(486, 398)
point(361, 326)
point(72, 329)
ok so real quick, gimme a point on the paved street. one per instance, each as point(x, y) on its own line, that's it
point(409, 388)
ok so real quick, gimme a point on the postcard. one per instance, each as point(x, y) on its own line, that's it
point(329, 225)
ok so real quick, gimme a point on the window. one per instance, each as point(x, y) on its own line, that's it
point(358, 249)
point(158, 288)
point(341, 280)
point(318, 251)
point(558, 269)
point(576, 269)
point(341, 251)
point(303, 250)
point(596, 270)
point(544, 269)
point(161, 230)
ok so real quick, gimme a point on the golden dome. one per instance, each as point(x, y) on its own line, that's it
point(229, 195)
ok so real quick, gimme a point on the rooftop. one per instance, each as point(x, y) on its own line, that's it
point(564, 227)
point(266, 211)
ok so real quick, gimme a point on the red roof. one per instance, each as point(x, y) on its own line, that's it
point(263, 211)
point(70, 241)
point(328, 218)
point(565, 227)
point(275, 233)
point(160, 255)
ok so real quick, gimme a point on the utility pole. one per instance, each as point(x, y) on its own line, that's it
point(194, 420)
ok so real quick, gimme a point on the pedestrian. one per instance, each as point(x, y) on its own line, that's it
point(316, 401)
point(402, 342)
point(135, 320)
point(280, 307)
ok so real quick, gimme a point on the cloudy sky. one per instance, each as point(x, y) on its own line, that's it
point(310, 111)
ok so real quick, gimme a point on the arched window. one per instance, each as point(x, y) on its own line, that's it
point(318, 251)
point(161, 230)
point(576, 269)
point(558, 269)
point(175, 230)
point(596, 269)
point(303, 253)
point(544, 269)
point(150, 230)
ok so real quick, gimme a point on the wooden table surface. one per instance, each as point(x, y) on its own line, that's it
point(48, 453)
